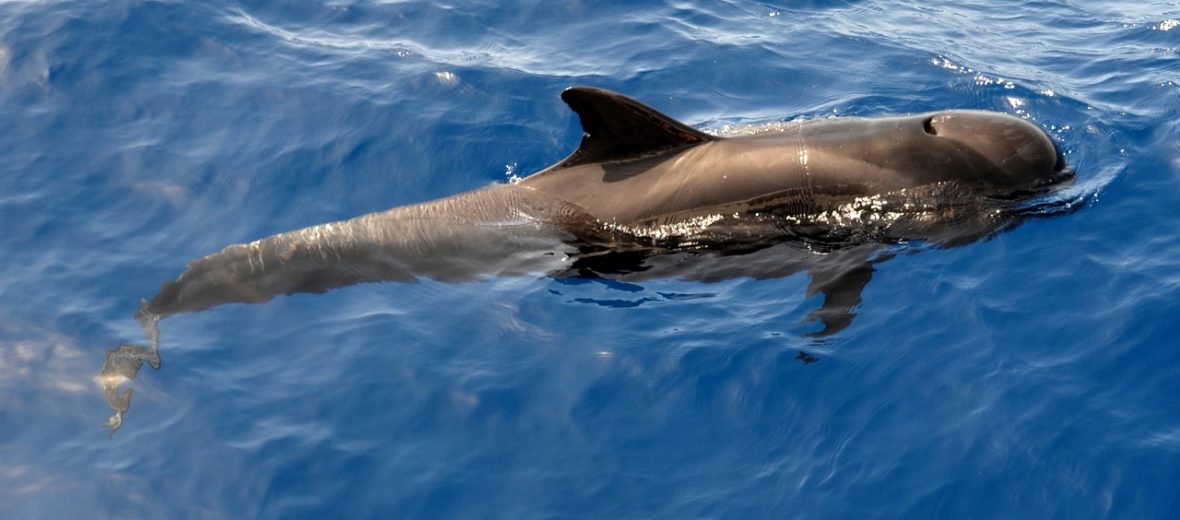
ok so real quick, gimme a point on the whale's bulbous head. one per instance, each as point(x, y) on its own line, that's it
point(1020, 154)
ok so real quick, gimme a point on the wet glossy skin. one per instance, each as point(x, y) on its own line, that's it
point(851, 156)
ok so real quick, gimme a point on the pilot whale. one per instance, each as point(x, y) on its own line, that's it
point(644, 195)
point(643, 183)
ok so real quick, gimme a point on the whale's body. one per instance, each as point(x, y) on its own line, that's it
point(643, 191)
point(646, 196)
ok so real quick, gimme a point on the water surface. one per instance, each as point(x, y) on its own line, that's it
point(1029, 375)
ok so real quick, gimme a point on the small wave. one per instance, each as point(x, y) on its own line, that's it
point(323, 39)
point(503, 55)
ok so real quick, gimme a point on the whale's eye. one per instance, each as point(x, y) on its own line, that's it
point(928, 126)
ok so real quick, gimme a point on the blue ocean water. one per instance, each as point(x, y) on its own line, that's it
point(1031, 375)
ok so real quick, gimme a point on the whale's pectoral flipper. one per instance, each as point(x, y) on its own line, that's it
point(616, 127)
point(841, 281)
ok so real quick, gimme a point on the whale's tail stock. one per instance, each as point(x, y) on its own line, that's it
point(503, 229)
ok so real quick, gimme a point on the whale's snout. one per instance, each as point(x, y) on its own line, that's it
point(1016, 152)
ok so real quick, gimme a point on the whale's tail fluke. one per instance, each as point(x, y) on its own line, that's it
point(122, 364)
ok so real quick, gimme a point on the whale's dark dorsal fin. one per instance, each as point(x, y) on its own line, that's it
point(616, 127)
